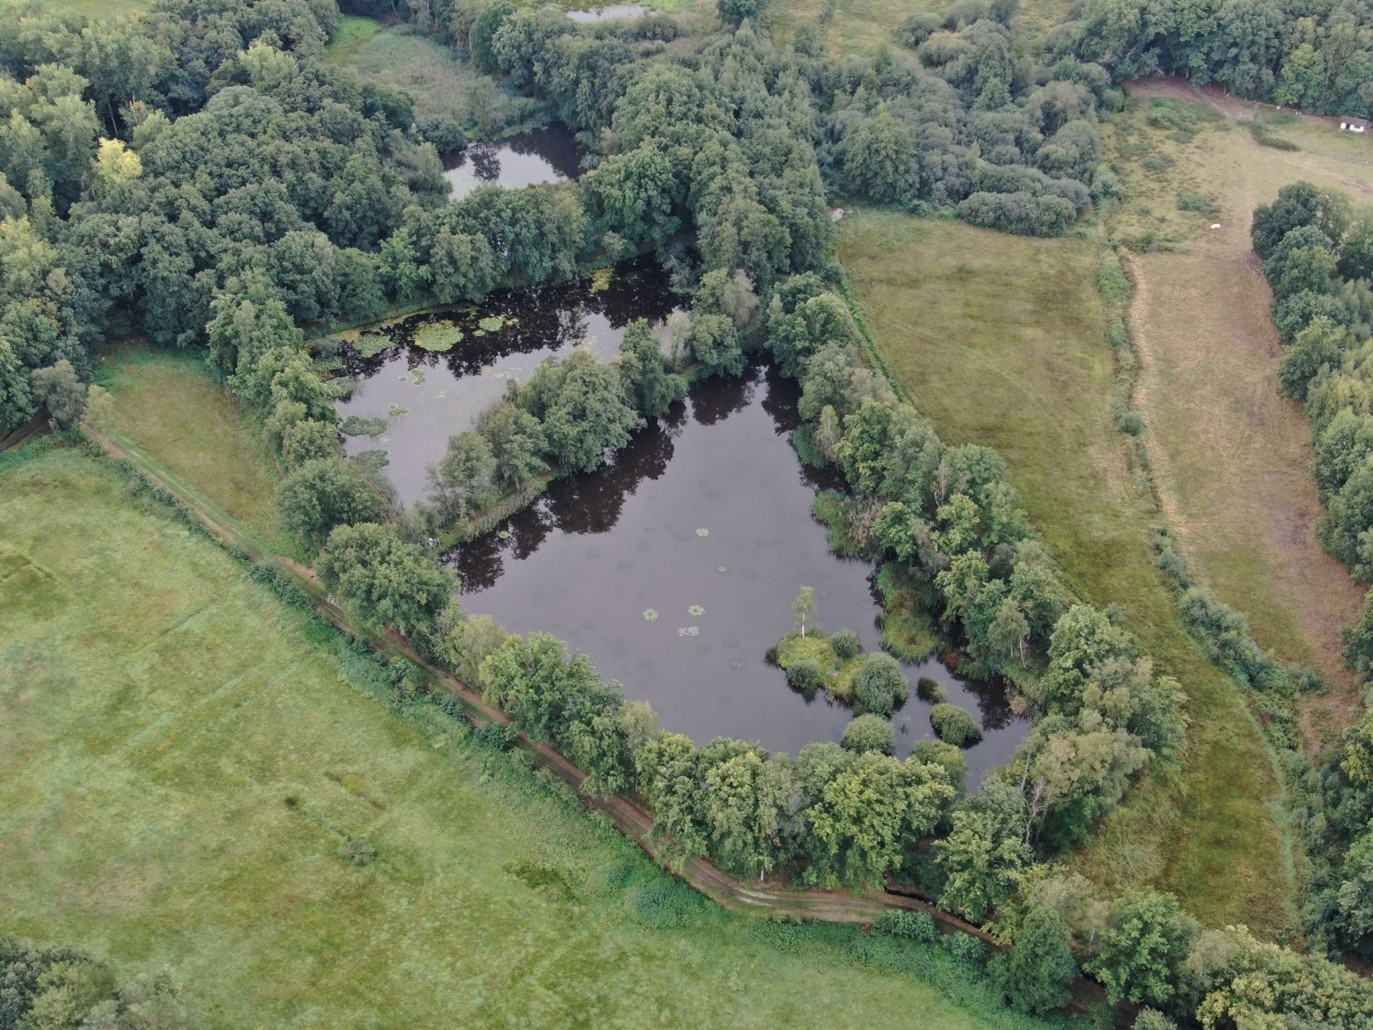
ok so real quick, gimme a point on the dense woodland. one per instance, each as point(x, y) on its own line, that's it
point(1318, 258)
point(202, 177)
point(1316, 57)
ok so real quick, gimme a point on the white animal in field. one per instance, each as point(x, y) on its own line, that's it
point(1215, 225)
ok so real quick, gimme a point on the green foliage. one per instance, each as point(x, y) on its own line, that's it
point(1203, 203)
point(1143, 948)
point(805, 676)
point(985, 855)
point(1036, 974)
point(954, 725)
point(384, 580)
point(845, 644)
point(714, 343)
point(880, 685)
point(60, 391)
point(649, 386)
point(324, 493)
point(869, 732)
point(929, 690)
point(911, 926)
point(62, 987)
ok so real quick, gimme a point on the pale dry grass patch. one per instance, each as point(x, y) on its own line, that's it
point(1231, 458)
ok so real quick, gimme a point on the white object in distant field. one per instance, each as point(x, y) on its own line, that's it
point(836, 214)
point(1215, 225)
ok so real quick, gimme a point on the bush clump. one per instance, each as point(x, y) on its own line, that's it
point(357, 851)
point(929, 690)
point(966, 948)
point(806, 676)
point(869, 732)
point(846, 645)
point(954, 725)
point(880, 685)
point(910, 926)
point(1203, 203)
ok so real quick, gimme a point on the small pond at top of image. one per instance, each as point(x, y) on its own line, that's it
point(619, 11)
point(550, 153)
point(675, 567)
point(424, 377)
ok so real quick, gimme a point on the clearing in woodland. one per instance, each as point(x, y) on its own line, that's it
point(1230, 456)
point(999, 340)
point(195, 774)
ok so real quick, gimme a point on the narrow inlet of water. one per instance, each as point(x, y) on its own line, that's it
point(424, 396)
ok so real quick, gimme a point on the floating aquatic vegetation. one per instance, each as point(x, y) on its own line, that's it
point(374, 460)
point(372, 344)
point(395, 411)
point(650, 614)
point(721, 568)
point(494, 323)
point(688, 631)
point(438, 336)
point(600, 279)
point(703, 532)
point(356, 425)
point(696, 610)
point(418, 377)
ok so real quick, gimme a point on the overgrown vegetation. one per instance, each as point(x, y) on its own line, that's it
point(1318, 259)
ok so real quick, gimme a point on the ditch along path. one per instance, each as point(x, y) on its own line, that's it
point(628, 817)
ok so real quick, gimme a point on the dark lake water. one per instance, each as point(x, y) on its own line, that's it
point(707, 509)
point(547, 154)
point(435, 395)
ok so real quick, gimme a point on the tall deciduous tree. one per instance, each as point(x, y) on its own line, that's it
point(384, 580)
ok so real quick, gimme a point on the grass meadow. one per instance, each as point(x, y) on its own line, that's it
point(169, 405)
point(440, 84)
point(1000, 340)
point(182, 756)
point(98, 8)
point(1231, 457)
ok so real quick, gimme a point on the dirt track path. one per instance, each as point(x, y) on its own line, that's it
point(1231, 458)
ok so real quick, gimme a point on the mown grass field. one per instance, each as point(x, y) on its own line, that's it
point(169, 405)
point(1231, 457)
point(182, 756)
point(1000, 340)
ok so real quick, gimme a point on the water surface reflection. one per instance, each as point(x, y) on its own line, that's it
point(707, 507)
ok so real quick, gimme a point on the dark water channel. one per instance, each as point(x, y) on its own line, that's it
point(707, 510)
point(426, 396)
point(546, 154)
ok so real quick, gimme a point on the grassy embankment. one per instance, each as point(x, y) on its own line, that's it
point(168, 405)
point(1231, 457)
point(999, 340)
point(182, 756)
